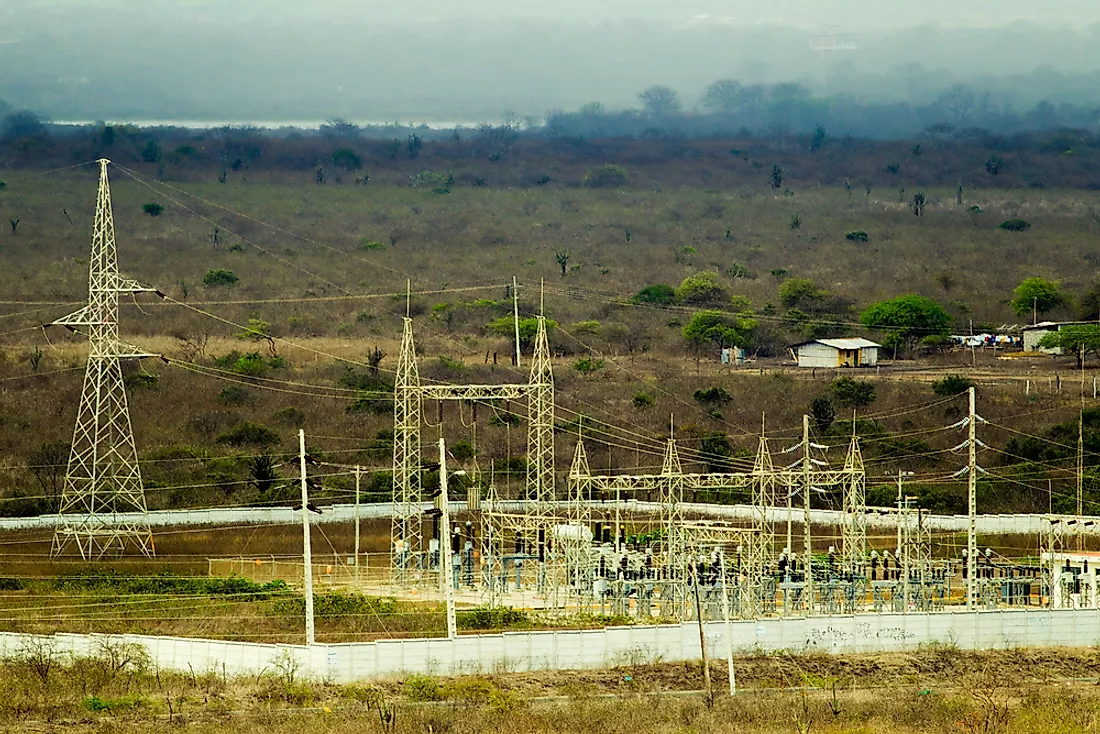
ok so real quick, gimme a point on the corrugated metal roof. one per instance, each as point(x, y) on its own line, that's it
point(848, 343)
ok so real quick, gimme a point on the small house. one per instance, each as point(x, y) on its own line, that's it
point(832, 353)
point(1034, 334)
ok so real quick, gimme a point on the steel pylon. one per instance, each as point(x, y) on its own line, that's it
point(760, 545)
point(103, 479)
point(407, 525)
point(854, 533)
point(540, 425)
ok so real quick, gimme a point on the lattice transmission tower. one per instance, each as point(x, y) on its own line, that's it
point(103, 502)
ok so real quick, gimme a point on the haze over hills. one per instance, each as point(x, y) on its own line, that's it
point(374, 60)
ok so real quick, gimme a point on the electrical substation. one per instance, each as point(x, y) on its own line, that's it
point(570, 542)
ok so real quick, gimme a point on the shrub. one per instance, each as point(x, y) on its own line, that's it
point(291, 417)
point(371, 245)
point(588, 365)
point(642, 401)
point(858, 236)
point(737, 270)
point(219, 276)
point(952, 385)
point(801, 293)
point(235, 395)
point(249, 434)
point(823, 411)
point(713, 395)
point(492, 618)
point(605, 175)
point(715, 451)
point(153, 210)
point(660, 294)
point(422, 688)
point(1016, 225)
point(851, 393)
point(462, 450)
point(703, 287)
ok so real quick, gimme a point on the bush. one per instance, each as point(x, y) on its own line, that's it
point(588, 365)
point(291, 417)
point(858, 236)
point(851, 393)
point(713, 396)
point(605, 175)
point(371, 245)
point(153, 210)
point(1016, 225)
point(421, 688)
point(823, 411)
point(952, 385)
point(219, 276)
point(643, 400)
point(702, 288)
point(801, 293)
point(659, 294)
point(235, 395)
point(249, 434)
point(492, 618)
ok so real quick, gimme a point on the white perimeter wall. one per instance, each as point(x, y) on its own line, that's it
point(992, 524)
point(566, 650)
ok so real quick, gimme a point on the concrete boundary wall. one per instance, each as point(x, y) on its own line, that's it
point(576, 649)
point(987, 524)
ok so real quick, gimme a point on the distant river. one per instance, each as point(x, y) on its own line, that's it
point(276, 125)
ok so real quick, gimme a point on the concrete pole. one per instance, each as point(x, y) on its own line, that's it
point(445, 560)
point(307, 554)
point(515, 315)
point(358, 475)
point(807, 537)
point(729, 627)
point(972, 506)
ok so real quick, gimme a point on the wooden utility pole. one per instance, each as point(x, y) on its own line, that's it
point(709, 695)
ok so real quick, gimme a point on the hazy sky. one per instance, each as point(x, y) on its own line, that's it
point(466, 59)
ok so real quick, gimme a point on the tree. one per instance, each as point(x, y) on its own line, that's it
point(907, 317)
point(347, 159)
point(818, 138)
point(659, 294)
point(660, 101)
point(957, 101)
point(801, 293)
point(337, 127)
point(777, 177)
point(562, 257)
point(715, 451)
point(528, 329)
point(1089, 306)
point(724, 96)
point(152, 209)
point(151, 152)
point(1080, 339)
point(22, 124)
point(1037, 296)
point(719, 328)
point(850, 393)
point(701, 288)
point(823, 411)
point(952, 385)
point(48, 464)
point(219, 276)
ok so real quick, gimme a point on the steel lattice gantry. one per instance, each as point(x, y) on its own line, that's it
point(409, 396)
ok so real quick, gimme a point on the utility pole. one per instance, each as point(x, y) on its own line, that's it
point(729, 627)
point(515, 315)
point(1081, 475)
point(445, 560)
point(972, 504)
point(358, 474)
point(807, 537)
point(709, 696)
point(307, 553)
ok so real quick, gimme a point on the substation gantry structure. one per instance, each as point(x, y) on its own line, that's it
point(410, 560)
point(745, 556)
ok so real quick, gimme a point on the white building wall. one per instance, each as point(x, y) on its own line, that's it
point(868, 356)
point(818, 355)
point(1032, 338)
